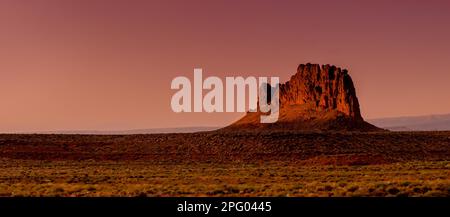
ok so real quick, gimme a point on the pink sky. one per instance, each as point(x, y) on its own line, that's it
point(107, 65)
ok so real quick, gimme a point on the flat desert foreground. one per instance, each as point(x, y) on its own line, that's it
point(212, 164)
point(67, 178)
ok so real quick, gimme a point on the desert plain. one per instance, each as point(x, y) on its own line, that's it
point(291, 164)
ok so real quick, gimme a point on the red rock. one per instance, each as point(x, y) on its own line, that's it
point(315, 98)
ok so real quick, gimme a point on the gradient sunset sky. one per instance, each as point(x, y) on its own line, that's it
point(108, 65)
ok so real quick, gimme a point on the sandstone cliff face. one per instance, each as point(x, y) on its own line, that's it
point(324, 87)
point(316, 98)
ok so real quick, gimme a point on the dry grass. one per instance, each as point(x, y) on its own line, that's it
point(232, 164)
point(139, 178)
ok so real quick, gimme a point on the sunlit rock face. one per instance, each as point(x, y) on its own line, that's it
point(316, 98)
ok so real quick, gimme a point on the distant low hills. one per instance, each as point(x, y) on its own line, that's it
point(414, 123)
point(407, 123)
point(130, 132)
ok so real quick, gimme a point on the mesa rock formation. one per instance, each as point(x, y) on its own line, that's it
point(316, 98)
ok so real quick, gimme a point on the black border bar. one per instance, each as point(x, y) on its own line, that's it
point(278, 206)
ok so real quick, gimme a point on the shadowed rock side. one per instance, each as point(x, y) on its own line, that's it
point(316, 98)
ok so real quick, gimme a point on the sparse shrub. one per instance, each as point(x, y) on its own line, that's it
point(405, 184)
point(59, 190)
point(342, 184)
point(393, 191)
point(353, 189)
point(91, 189)
point(328, 188)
